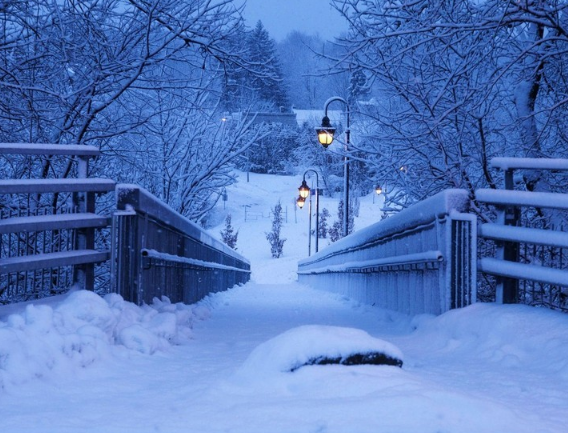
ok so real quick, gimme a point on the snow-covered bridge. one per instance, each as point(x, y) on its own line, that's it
point(78, 361)
point(422, 260)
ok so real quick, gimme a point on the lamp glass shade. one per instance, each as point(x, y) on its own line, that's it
point(325, 132)
point(304, 190)
point(378, 190)
point(325, 136)
point(301, 202)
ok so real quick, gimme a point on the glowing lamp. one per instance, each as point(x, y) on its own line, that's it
point(304, 190)
point(325, 132)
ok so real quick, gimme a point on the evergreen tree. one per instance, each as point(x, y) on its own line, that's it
point(358, 86)
point(276, 243)
point(268, 80)
point(235, 94)
point(228, 235)
point(274, 153)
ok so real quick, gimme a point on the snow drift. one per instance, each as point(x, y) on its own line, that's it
point(314, 344)
point(45, 340)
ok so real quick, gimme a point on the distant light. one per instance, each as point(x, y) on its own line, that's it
point(301, 201)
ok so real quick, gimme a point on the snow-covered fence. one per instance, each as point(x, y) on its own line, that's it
point(536, 257)
point(47, 225)
point(421, 260)
point(161, 253)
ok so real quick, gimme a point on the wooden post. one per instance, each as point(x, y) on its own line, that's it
point(508, 288)
point(84, 275)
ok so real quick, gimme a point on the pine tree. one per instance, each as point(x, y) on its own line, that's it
point(358, 86)
point(268, 77)
point(276, 243)
point(234, 94)
point(228, 236)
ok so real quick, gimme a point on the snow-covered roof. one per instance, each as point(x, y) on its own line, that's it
point(314, 117)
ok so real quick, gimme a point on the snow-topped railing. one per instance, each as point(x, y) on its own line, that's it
point(508, 236)
point(49, 244)
point(161, 253)
point(421, 260)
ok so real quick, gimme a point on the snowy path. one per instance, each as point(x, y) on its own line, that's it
point(76, 365)
point(458, 375)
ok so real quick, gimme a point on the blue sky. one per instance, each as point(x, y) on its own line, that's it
point(280, 17)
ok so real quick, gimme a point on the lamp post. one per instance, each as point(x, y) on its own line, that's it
point(325, 137)
point(304, 190)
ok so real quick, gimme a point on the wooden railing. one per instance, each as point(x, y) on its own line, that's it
point(47, 225)
point(47, 229)
point(535, 257)
point(161, 253)
point(421, 260)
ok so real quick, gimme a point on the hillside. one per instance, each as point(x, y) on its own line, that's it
point(258, 197)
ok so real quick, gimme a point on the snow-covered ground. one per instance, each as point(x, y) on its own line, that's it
point(80, 363)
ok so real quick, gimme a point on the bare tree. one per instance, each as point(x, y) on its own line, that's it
point(135, 77)
point(456, 83)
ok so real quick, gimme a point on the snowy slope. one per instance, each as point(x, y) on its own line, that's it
point(259, 195)
point(80, 363)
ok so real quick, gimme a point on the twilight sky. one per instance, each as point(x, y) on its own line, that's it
point(280, 17)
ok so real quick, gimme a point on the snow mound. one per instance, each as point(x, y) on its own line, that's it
point(318, 344)
point(512, 336)
point(43, 340)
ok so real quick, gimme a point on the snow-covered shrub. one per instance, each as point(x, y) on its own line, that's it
point(322, 226)
point(228, 235)
point(336, 230)
point(276, 243)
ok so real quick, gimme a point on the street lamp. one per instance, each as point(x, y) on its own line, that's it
point(325, 137)
point(378, 190)
point(325, 132)
point(304, 190)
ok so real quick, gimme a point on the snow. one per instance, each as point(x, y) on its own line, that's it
point(523, 198)
point(199, 263)
point(299, 346)
point(83, 363)
point(48, 149)
point(523, 271)
point(314, 117)
point(506, 163)
point(404, 259)
point(447, 201)
point(524, 234)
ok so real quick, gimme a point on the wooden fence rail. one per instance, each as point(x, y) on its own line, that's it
point(526, 254)
point(45, 243)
